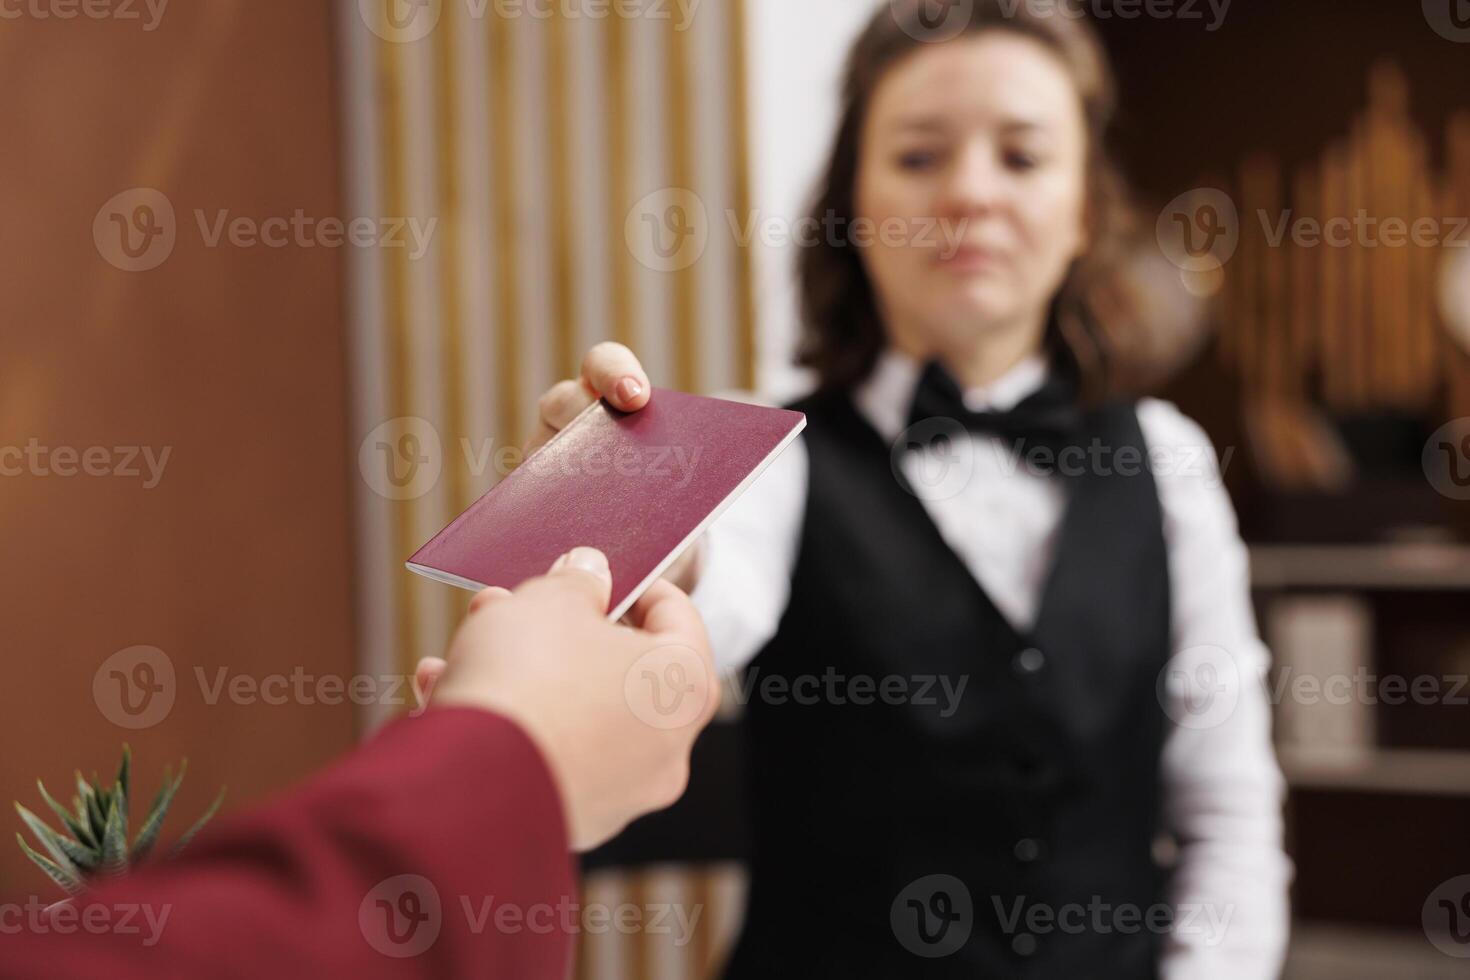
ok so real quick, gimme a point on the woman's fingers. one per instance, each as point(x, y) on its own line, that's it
point(425, 676)
point(561, 403)
point(612, 371)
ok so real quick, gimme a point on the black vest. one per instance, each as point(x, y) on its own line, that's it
point(1033, 795)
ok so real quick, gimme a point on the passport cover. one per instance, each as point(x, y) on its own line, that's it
point(640, 486)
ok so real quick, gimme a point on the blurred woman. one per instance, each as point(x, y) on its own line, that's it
point(1004, 713)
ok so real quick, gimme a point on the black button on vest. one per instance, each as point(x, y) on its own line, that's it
point(901, 830)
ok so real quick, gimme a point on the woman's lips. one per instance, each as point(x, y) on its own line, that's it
point(972, 258)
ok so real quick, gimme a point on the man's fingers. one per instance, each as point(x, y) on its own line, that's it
point(664, 608)
point(670, 618)
point(613, 372)
point(582, 572)
point(486, 596)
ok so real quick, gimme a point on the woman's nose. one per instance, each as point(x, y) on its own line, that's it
point(975, 183)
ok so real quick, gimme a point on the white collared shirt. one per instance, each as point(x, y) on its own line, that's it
point(1222, 786)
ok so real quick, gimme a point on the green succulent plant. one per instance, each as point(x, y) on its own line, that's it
point(98, 827)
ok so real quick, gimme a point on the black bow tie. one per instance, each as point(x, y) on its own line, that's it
point(1047, 419)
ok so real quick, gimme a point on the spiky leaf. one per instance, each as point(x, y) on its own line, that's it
point(120, 804)
point(66, 853)
point(76, 829)
point(62, 877)
point(148, 835)
point(97, 803)
point(199, 824)
point(114, 843)
point(80, 801)
point(124, 770)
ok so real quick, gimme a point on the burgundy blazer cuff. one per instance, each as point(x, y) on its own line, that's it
point(437, 849)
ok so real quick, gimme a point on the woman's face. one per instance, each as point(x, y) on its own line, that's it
point(982, 139)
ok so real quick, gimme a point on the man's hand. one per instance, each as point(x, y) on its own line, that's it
point(614, 708)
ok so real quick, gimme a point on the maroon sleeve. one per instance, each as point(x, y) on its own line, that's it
point(436, 849)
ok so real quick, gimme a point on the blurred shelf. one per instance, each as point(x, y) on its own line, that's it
point(1438, 567)
point(1323, 951)
point(1420, 772)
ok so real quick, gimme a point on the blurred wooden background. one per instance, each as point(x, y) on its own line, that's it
point(233, 360)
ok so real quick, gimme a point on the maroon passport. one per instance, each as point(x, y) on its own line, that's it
point(640, 486)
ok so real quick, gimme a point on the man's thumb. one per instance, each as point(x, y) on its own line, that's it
point(584, 570)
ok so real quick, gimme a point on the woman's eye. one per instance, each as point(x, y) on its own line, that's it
point(1022, 160)
point(917, 160)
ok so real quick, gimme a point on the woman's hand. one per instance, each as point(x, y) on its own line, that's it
point(611, 371)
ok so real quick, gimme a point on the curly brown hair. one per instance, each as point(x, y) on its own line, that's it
point(842, 331)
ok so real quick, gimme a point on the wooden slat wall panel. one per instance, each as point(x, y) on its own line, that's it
point(530, 140)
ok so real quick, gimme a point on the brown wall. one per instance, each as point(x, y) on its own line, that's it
point(232, 359)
